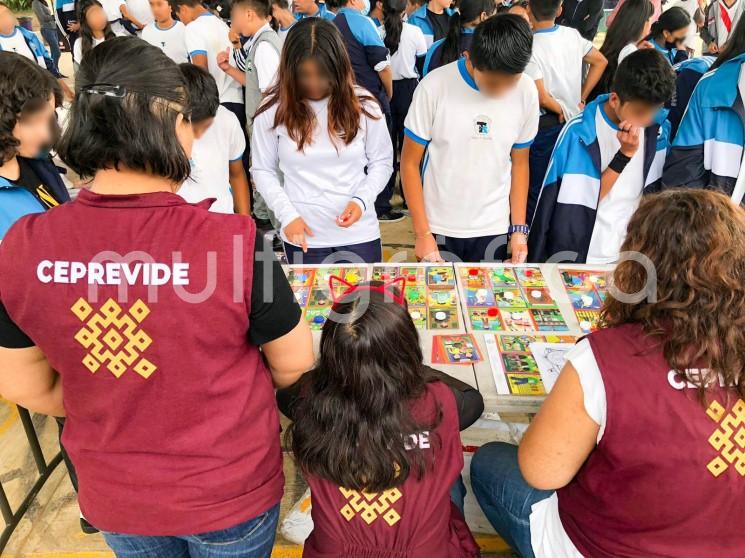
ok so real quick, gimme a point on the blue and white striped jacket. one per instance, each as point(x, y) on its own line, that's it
point(420, 19)
point(43, 58)
point(687, 75)
point(567, 206)
point(707, 150)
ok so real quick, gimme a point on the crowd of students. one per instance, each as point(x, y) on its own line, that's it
point(518, 139)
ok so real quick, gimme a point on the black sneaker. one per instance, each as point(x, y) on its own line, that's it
point(86, 527)
point(391, 217)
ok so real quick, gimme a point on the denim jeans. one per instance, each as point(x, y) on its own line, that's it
point(52, 39)
point(504, 495)
point(251, 539)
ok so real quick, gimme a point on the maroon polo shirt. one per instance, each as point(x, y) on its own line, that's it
point(147, 307)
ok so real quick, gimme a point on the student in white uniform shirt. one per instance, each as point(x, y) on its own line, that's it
point(138, 13)
point(166, 33)
point(476, 118)
point(94, 29)
point(113, 9)
point(206, 36)
point(326, 205)
point(408, 48)
point(217, 168)
point(557, 65)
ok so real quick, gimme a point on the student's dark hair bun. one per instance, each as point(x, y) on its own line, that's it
point(133, 126)
point(502, 43)
point(646, 76)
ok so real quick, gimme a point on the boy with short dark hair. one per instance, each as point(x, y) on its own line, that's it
point(605, 159)
point(476, 118)
point(283, 17)
point(557, 67)
point(310, 8)
point(217, 169)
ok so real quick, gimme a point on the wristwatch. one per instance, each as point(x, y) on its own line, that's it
point(523, 229)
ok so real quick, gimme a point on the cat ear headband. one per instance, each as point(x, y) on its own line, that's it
point(336, 283)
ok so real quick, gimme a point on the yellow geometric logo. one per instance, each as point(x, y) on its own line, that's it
point(114, 337)
point(371, 506)
point(728, 439)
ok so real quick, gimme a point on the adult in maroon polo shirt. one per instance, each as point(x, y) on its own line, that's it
point(639, 450)
point(141, 317)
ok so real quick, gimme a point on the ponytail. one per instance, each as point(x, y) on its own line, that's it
point(468, 12)
point(393, 23)
point(671, 20)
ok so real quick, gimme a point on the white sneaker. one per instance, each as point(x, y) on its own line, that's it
point(298, 524)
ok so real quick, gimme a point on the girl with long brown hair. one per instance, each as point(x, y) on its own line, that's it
point(638, 450)
point(321, 150)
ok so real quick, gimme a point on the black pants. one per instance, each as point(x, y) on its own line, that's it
point(239, 110)
point(403, 91)
point(540, 156)
point(473, 250)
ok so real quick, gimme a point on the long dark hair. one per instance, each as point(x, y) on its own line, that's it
point(393, 22)
point(734, 46)
point(320, 40)
point(353, 420)
point(670, 20)
point(86, 33)
point(696, 241)
point(468, 11)
point(627, 28)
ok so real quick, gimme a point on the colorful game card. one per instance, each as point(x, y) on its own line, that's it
point(384, 273)
point(442, 298)
point(300, 277)
point(301, 295)
point(455, 349)
point(589, 320)
point(539, 297)
point(443, 318)
point(585, 300)
point(485, 319)
point(317, 317)
point(525, 384)
point(479, 297)
point(517, 319)
point(475, 278)
point(509, 297)
point(584, 280)
point(503, 277)
point(419, 316)
point(530, 277)
point(440, 276)
point(416, 296)
point(320, 297)
point(548, 319)
point(520, 363)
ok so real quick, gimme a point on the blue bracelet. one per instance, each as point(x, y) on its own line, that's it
point(361, 201)
point(524, 229)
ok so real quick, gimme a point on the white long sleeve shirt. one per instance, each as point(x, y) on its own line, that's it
point(322, 179)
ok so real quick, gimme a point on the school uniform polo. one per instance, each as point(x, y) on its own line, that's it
point(414, 520)
point(367, 52)
point(469, 137)
point(207, 35)
point(170, 40)
point(28, 44)
point(153, 313)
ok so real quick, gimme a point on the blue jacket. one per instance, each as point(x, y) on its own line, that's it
point(567, 206)
point(419, 19)
point(366, 52)
point(433, 60)
point(39, 50)
point(16, 202)
point(687, 75)
point(323, 13)
point(707, 150)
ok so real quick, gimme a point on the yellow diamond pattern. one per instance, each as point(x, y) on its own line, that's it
point(113, 337)
point(371, 506)
point(728, 439)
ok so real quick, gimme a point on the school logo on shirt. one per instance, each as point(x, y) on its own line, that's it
point(482, 127)
point(370, 507)
point(728, 439)
point(113, 336)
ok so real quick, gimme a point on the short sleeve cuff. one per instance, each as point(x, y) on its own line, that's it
point(523, 145)
point(194, 53)
point(415, 138)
